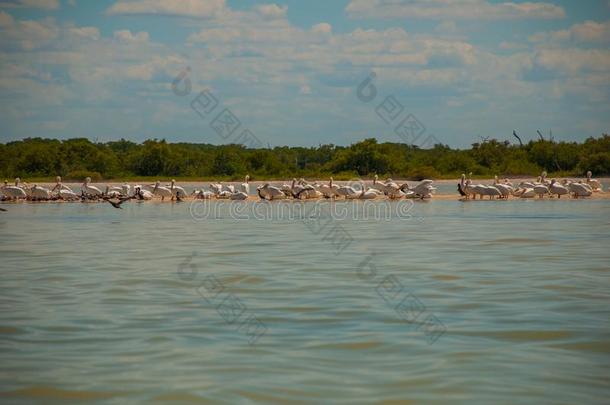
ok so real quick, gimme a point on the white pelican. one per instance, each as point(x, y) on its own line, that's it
point(367, 194)
point(268, 192)
point(556, 188)
point(126, 189)
point(113, 192)
point(347, 192)
point(239, 195)
point(423, 190)
point(162, 191)
point(230, 188)
point(176, 189)
point(492, 192)
point(287, 188)
point(580, 189)
point(504, 189)
point(328, 190)
point(88, 189)
point(60, 186)
point(541, 190)
point(40, 193)
point(378, 186)
point(202, 194)
point(141, 194)
point(245, 186)
point(216, 187)
point(308, 191)
point(64, 192)
point(295, 189)
point(526, 192)
point(595, 184)
point(13, 192)
point(224, 195)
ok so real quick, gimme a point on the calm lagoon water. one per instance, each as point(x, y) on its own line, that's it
point(93, 308)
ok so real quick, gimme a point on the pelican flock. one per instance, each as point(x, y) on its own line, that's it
point(539, 188)
point(301, 189)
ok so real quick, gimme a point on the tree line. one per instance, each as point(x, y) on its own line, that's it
point(79, 157)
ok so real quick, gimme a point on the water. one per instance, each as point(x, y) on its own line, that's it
point(94, 310)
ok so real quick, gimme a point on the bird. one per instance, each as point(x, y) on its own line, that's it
point(176, 189)
point(504, 189)
point(376, 185)
point(556, 188)
point(90, 190)
point(347, 192)
point(328, 190)
point(40, 193)
point(245, 186)
point(13, 192)
point(202, 194)
point(423, 190)
point(492, 192)
point(579, 189)
point(112, 192)
point(224, 195)
point(525, 192)
point(63, 192)
point(461, 186)
point(162, 191)
point(366, 193)
point(116, 204)
point(595, 184)
point(269, 192)
point(216, 188)
point(541, 190)
point(140, 194)
point(239, 195)
point(2, 209)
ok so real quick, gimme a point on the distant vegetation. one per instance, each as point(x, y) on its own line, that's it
point(78, 158)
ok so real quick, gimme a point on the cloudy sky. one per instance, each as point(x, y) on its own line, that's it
point(289, 71)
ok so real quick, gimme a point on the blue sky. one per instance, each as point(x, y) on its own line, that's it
point(289, 70)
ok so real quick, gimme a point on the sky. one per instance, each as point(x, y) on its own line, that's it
point(295, 72)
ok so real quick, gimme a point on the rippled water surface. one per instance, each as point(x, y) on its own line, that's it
point(93, 308)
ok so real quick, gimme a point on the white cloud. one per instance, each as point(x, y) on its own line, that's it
point(259, 46)
point(44, 4)
point(126, 36)
point(26, 34)
point(272, 10)
point(322, 28)
point(91, 33)
point(451, 9)
point(574, 60)
point(184, 8)
point(588, 31)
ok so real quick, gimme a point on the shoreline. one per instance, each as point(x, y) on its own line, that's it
point(254, 183)
point(440, 196)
